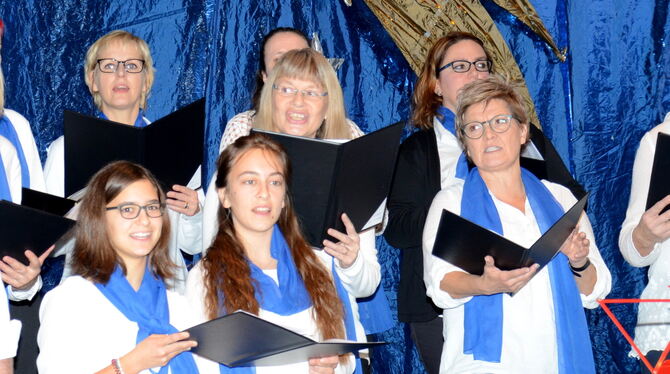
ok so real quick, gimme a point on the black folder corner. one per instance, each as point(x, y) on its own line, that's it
point(331, 178)
point(659, 184)
point(243, 339)
point(464, 244)
point(25, 228)
point(171, 147)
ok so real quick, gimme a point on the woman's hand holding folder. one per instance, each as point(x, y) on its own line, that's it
point(346, 250)
point(20, 276)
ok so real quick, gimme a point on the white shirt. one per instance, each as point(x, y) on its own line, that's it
point(301, 322)
point(185, 233)
point(12, 165)
point(10, 330)
point(653, 319)
point(448, 151)
point(240, 125)
point(27, 140)
point(529, 334)
point(81, 331)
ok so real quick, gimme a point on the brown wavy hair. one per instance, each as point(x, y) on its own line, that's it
point(425, 101)
point(94, 258)
point(226, 266)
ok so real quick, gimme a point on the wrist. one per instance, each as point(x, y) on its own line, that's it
point(641, 241)
point(126, 365)
point(577, 270)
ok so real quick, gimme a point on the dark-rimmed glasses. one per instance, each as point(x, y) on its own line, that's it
point(132, 211)
point(110, 65)
point(463, 66)
point(499, 124)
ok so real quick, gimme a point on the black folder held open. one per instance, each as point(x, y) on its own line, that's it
point(464, 244)
point(35, 228)
point(331, 178)
point(659, 184)
point(243, 339)
point(171, 147)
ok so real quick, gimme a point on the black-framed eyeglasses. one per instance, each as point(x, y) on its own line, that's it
point(463, 66)
point(132, 211)
point(290, 91)
point(110, 65)
point(499, 124)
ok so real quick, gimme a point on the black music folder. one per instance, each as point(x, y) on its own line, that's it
point(243, 339)
point(464, 244)
point(659, 184)
point(171, 147)
point(331, 178)
point(24, 227)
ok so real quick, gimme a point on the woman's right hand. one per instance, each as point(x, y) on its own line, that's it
point(653, 227)
point(495, 281)
point(323, 365)
point(156, 351)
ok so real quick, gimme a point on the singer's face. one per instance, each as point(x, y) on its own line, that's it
point(298, 113)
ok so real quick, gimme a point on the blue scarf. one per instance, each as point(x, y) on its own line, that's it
point(5, 192)
point(448, 121)
point(139, 121)
point(148, 307)
point(290, 296)
point(8, 131)
point(483, 319)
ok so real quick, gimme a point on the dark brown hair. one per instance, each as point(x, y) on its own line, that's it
point(425, 100)
point(255, 98)
point(226, 269)
point(94, 258)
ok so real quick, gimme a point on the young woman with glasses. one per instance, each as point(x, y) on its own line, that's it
point(119, 74)
point(114, 314)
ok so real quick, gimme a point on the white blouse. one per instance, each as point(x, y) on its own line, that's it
point(81, 331)
point(301, 322)
point(529, 334)
point(653, 319)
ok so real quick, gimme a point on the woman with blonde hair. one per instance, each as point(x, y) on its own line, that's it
point(119, 73)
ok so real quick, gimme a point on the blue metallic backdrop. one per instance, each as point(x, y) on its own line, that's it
point(595, 107)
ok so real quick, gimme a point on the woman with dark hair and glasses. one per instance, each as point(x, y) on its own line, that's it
point(430, 160)
point(114, 314)
point(542, 328)
point(119, 73)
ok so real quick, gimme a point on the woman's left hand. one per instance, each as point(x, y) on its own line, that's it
point(20, 276)
point(346, 250)
point(576, 248)
point(323, 365)
point(183, 200)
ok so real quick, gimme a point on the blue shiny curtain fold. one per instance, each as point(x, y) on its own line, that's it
point(595, 106)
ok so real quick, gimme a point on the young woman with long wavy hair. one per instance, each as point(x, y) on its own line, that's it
point(260, 262)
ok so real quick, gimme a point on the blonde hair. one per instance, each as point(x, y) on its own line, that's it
point(122, 36)
point(306, 64)
point(485, 90)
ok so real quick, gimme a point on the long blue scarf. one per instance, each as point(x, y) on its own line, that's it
point(483, 320)
point(290, 296)
point(139, 121)
point(148, 307)
point(448, 120)
point(8, 131)
point(5, 192)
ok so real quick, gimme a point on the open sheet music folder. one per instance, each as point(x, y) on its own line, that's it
point(171, 147)
point(659, 184)
point(331, 178)
point(25, 227)
point(464, 244)
point(243, 339)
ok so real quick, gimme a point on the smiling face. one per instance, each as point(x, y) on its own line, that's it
point(120, 91)
point(279, 44)
point(134, 239)
point(450, 82)
point(254, 193)
point(297, 114)
point(493, 151)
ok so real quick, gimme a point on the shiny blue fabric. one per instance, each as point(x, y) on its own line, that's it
point(595, 107)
